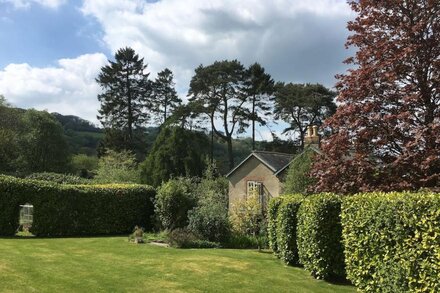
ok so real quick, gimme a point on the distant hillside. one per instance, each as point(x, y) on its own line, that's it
point(82, 136)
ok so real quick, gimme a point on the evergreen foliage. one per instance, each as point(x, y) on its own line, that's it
point(164, 96)
point(298, 179)
point(176, 152)
point(75, 210)
point(126, 94)
point(117, 167)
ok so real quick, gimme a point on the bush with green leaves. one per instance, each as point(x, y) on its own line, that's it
point(58, 178)
point(210, 221)
point(272, 214)
point(246, 215)
point(83, 165)
point(184, 238)
point(319, 236)
point(298, 179)
point(75, 210)
point(117, 167)
point(392, 241)
point(174, 200)
point(286, 223)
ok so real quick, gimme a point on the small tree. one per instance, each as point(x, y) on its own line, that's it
point(83, 165)
point(298, 179)
point(173, 201)
point(117, 167)
point(246, 215)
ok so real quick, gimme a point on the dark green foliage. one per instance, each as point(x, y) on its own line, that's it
point(286, 228)
point(164, 96)
point(173, 201)
point(43, 147)
point(75, 210)
point(301, 105)
point(392, 241)
point(240, 241)
point(58, 178)
point(125, 95)
point(259, 87)
point(298, 179)
point(217, 91)
point(176, 152)
point(210, 221)
point(272, 214)
point(319, 236)
point(183, 238)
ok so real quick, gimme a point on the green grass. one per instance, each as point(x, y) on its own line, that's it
point(114, 265)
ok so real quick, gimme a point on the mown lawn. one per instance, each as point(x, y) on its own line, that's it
point(114, 265)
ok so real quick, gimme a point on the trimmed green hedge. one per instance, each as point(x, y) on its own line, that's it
point(286, 222)
point(75, 210)
point(59, 178)
point(392, 241)
point(272, 213)
point(319, 236)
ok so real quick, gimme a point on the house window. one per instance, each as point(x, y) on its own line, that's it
point(255, 187)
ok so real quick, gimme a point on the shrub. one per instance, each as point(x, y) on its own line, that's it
point(210, 221)
point(173, 201)
point(117, 167)
point(272, 213)
point(183, 238)
point(319, 236)
point(392, 241)
point(84, 165)
point(73, 210)
point(240, 241)
point(58, 178)
point(246, 215)
point(286, 228)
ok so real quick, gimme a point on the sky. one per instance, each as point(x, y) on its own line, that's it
point(52, 50)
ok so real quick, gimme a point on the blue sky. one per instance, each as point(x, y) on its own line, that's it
point(51, 50)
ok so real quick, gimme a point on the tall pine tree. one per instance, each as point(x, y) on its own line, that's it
point(165, 98)
point(259, 88)
point(125, 93)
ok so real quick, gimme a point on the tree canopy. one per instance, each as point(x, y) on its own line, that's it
point(125, 93)
point(301, 105)
point(386, 131)
point(175, 152)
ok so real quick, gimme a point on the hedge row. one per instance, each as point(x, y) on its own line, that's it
point(386, 242)
point(319, 236)
point(392, 241)
point(286, 228)
point(75, 210)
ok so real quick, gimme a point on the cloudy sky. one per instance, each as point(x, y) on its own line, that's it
point(52, 50)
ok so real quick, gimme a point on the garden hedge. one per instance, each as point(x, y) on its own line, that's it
point(75, 210)
point(272, 213)
point(319, 236)
point(392, 241)
point(286, 222)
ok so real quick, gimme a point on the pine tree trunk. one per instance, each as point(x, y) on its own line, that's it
point(230, 154)
point(253, 124)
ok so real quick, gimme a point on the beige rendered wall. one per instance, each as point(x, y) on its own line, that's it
point(252, 170)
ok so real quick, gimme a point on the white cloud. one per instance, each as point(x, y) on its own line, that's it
point(24, 4)
point(68, 88)
point(299, 41)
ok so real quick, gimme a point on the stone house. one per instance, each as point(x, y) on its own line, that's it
point(263, 172)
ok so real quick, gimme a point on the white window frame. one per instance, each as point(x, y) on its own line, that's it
point(255, 185)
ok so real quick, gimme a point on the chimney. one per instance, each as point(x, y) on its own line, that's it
point(312, 138)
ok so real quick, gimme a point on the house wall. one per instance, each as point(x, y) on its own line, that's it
point(252, 170)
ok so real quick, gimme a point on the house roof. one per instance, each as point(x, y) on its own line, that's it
point(316, 150)
point(274, 161)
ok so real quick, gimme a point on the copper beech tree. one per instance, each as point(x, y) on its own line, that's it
point(386, 131)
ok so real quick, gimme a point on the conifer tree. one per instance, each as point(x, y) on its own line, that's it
point(126, 91)
point(164, 96)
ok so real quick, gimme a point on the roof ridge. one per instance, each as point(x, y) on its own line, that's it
point(269, 152)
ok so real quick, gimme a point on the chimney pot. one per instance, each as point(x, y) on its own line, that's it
point(309, 131)
point(315, 130)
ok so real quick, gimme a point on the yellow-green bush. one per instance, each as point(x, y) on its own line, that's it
point(286, 223)
point(71, 210)
point(392, 241)
point(319, 236)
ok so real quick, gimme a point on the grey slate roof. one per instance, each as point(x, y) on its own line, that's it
point(274, 161)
